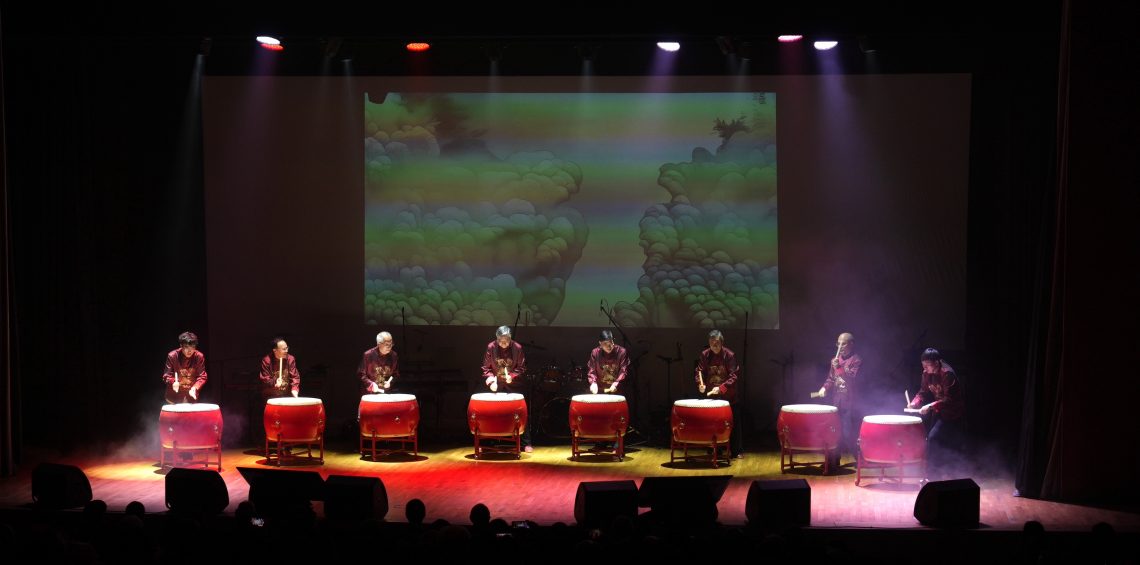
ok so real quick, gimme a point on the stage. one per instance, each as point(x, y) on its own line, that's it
point(541, 486)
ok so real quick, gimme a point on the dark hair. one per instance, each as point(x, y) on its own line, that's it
point(187, 338)
point(931, 354)
point(135, 508)
point(480, 514)
point(606, 335)
point(276, 340)
point(415, 511)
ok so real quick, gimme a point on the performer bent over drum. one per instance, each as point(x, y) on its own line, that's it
point(717, 377)
point(185, 372)
point(379, 366)
point(608, 365)
point(503, 367)
point(942, 403)
point(279, 373)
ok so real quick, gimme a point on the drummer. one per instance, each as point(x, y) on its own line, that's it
point(379, 366)
point(942, 403)
point(717, 377)
point(840, 387)
point(503, 366)
point(279, 373)
point(608, 364)
point(185, 372)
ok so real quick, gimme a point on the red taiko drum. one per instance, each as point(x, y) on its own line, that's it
point(190, 426)
point(808, 427)
point(291, 419)
point(702, 420)
point(389, 415)
point(496, 413)
point(598, 416)
point(892, 439)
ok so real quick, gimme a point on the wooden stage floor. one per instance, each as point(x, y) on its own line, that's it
point(542, 485)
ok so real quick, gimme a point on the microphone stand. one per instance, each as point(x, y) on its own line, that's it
point(669, 382)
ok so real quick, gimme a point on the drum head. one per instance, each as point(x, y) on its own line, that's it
point(891, 419)
point(181, 408)
point(394, 397)
point(290, 401)
point(598, 398)
point(496, 396)
point(701, 403)
point(809, 409)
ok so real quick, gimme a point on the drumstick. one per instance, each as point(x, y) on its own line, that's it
point(906, 393)
point(700, 379)
point(388, 382)
point(280, 365)
point(837, 350)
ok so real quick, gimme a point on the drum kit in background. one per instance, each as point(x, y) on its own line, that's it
point(886, 441)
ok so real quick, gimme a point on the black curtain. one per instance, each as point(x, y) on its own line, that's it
point(1078, 428)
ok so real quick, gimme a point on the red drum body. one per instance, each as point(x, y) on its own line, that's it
point(808, 427)
point(701, 421)
point(190, 426)
point(891, 442)
point(599, 416)
point(294, 419)
point(496, 414)
point(892, 439)
point(389, 415)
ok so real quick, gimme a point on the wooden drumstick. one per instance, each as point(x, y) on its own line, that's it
point(700, 378)
point(280, 376)
point(906, 394)
point(388, 382)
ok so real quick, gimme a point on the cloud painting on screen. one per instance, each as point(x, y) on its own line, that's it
point(478, 203)
point(711, 250)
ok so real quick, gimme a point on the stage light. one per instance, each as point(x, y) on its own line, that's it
point(669, 46)
point(272, 47)
point(268, 40)
point(789, 38)
point(418, 47)
point(825, 45)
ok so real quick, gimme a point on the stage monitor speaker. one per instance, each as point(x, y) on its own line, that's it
point(355, 498)
point(60, 486)
point(779, 503)
point(275, 492)
point(683, 499)
point(599, 502)
point(949, 504)
point(196, 491)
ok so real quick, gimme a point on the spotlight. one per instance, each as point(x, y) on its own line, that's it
point(825, 45)
point(419, 46)
point(205, 46)
point(789, 38)
point(670, 46)
point(268, 40)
